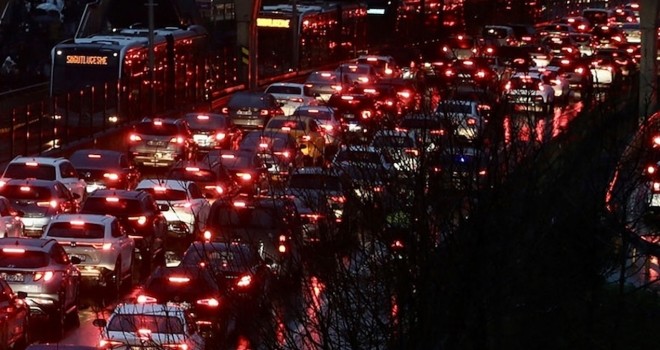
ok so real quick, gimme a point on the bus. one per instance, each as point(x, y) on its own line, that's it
point(113, 70)
point(326, 33)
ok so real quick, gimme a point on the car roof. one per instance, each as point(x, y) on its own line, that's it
point(30, 182)
point(40, 160)
point(102, 152)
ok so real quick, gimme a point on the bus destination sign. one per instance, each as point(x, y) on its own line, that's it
point(87, 60)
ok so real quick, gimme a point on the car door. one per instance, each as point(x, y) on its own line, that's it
point(70, 274)
point(9, 315)
point(69, 177)
point(66, 199)
point(126, 244)
point(200, 206)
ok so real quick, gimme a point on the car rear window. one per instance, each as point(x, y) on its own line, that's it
point(94, 160)
point(164, 129)
point(76, 230)
point(154, 323)
point(112, 206)
point(287, 90)
point(25, 192)
point(16, 257)
point(200, 122)
point(286, 123)
point(166, 194)
point(203, 175)
point(25, 171)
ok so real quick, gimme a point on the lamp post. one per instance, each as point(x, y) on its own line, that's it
point(152, 59)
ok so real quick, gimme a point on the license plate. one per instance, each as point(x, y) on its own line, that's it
point(81, 257)
point(349, 116)
point(156, 143)
point(243, 112)
point(12, 277)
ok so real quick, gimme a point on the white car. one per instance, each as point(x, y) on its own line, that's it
point(559, 83)
point(326, 119)
point(47, 168)
point(468, 118)
point(603, 72)
point(291, 96)
point(100, 242)
point(131, 326)
point(10, 219)
point(181, 202)
point(528, 91)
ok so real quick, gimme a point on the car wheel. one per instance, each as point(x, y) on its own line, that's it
point(116, 280)
point(58, 321)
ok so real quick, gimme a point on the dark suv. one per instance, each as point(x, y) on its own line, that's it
point(161, 142)
point(270, 223)
point(140, 214)
point(251, 110)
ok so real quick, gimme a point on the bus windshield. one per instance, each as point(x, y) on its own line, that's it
point(77, 68)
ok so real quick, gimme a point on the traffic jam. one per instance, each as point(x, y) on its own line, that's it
point(218, 222)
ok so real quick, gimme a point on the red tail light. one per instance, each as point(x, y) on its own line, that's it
point(412, 151)
point(111, 176)
point(244, 281)
point(244, 176)
point(656, 187)
point(177, 139)
point(43, 275)
point(141, 220)
point(224, 110)
point(145, 299)
point(282, 246)
point(305, 138)
point(471, 121)
point(264, 112)
point(366, 114)
point(134, 138)
point(210, 302)
point(220, 136)
point(296, 99)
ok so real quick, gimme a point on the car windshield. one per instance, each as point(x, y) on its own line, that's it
point(76, 230)
point(16, 257)
point(315, 182)
point(156, 129)
point(166, 194)
point(30, 170)
point(131, 323)
point(25, 192)
point(231, 161)
point(112, 206)
point(205, 122)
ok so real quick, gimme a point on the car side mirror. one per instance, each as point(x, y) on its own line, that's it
point(163, 207)
point(99, 322)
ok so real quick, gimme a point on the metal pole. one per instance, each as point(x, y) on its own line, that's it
point(648, 74)
point(152, 58)
point(295, 50)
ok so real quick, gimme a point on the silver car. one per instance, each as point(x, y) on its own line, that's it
point(42, 269)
